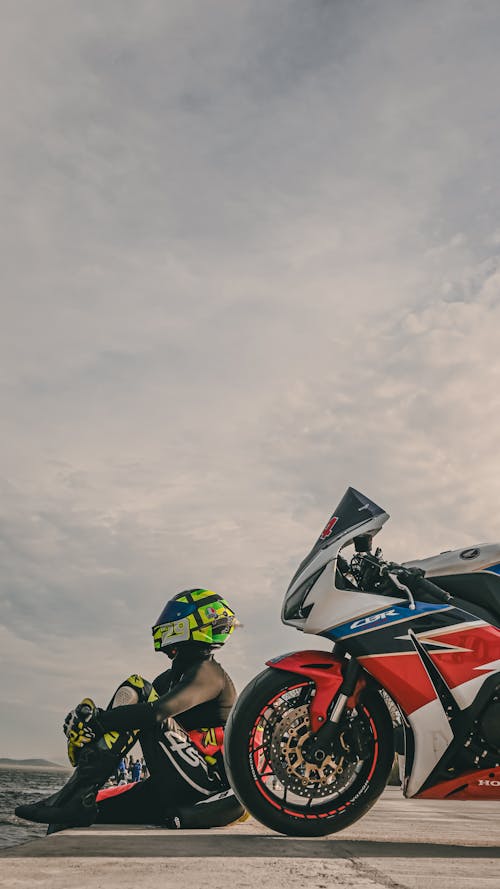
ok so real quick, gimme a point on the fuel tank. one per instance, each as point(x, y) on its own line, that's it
point(471, 573)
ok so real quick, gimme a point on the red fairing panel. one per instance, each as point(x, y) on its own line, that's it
point(467, 653)
point(324, 669)
point(473, 785)
point(403, 676)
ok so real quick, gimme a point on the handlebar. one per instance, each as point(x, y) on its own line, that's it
point(411, 581)
point(430, 589)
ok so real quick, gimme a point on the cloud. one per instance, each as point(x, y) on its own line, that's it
point(251, 258)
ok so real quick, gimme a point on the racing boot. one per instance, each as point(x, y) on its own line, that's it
point(75, 804)
point(218, 810)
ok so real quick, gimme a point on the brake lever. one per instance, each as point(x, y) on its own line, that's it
point(404, 589)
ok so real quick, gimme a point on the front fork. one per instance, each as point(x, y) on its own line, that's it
point(319, 745)
point(338, 680)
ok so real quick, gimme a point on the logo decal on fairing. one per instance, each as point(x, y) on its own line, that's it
point(327, 530)
point(380, 619)
point(373, 618)
point(470, 553)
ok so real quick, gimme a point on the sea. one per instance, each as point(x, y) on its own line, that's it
point(24, 785)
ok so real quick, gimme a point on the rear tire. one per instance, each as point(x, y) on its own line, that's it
point(262, 751)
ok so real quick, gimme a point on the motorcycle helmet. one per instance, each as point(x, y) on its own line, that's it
point(193, 616)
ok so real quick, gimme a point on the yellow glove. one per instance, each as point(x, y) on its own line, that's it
point(81, 726)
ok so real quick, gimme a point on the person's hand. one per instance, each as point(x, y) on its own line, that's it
point(81, 726)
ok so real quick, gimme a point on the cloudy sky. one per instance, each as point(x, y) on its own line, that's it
point(250, 255)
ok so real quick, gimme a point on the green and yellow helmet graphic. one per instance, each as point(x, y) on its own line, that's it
point(194, 615)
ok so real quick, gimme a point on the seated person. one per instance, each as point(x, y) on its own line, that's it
point(179, 721)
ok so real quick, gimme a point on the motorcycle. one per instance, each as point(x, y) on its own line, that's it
point(310, 742)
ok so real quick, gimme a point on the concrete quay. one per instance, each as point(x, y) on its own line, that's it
point(399, 844)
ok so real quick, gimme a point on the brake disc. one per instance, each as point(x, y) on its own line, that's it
point(287, 737)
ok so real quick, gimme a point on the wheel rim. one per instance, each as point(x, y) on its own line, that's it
point(281, 773)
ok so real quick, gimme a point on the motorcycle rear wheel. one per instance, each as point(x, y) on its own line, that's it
point(262, 751)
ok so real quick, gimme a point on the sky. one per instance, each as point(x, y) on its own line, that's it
point(250, 256)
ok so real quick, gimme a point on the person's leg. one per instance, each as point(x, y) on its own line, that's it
point(179, 776)
point(75, 803)
point(139, 804)
point(185, 791)
point(134, 690)
point(144, 803)
point(175, 764)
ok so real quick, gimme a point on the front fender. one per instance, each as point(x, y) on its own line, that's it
point(324, 669)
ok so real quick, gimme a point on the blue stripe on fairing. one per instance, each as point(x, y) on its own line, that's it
point(402, 613)
point(493, 569)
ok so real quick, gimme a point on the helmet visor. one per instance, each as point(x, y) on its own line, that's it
point(175, 610)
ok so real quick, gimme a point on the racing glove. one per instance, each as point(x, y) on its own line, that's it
point(82, 726)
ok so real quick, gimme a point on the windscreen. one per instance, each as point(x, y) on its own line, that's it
point(353, 510)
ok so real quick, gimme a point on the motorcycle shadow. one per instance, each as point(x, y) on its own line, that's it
point(134, 842)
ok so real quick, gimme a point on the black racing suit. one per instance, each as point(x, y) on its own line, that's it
point(195, 696)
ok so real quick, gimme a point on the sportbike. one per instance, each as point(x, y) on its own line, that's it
point(415, 668)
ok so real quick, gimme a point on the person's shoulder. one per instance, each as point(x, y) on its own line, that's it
point(209, 668)
point(217, 667)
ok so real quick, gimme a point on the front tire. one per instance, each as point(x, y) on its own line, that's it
point(262, 751)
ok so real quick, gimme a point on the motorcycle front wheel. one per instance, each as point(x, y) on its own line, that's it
point(263, 745)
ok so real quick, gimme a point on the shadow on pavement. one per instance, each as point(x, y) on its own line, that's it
point(176, 845)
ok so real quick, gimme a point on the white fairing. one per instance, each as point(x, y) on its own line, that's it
point(432, 736)
point(332, 606)
point(459, 561)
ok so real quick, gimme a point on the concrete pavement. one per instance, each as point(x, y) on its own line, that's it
point(400, 843)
